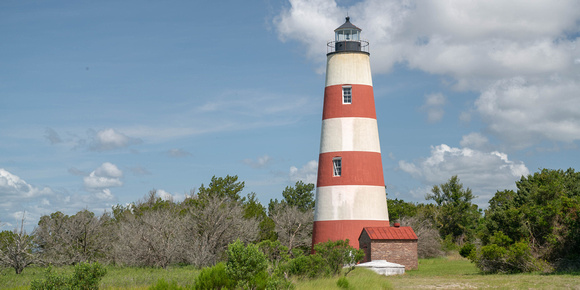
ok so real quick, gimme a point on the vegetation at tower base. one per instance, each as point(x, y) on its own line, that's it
point(537, 226)
point(455, 216)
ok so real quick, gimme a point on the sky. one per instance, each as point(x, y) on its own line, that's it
point(103, 101)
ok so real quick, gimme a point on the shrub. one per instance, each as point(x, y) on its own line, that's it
point(164, 285)
point(337, 254)
point(342, 283)
point(246, 265)
point(85, 276)
point(213, 278)
point(501, 256)
point(467, 250)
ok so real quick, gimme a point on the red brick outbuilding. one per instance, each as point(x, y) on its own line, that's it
point(394, 244)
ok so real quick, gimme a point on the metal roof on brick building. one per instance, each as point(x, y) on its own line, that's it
point(390, 233)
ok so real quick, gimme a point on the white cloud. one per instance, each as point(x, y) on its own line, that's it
point(164, 195)
point(483, 172)
point(105, 176)
point(14, 186)
point(20, 197)
point(524, 113)
point(504, 49)
point(475, 140)
point(307, 173)
point(260, 162)
point(434, 107)
point(109, 139)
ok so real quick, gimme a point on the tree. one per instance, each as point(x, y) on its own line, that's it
point(211, 225)
point(456, 216)
point(228, 188)
point(300, 196)
point(544, 212)
point(246, 265)
point(16, 249)
point(83, 237)
point(293, 226)
point(154, 238)
point(399, 208)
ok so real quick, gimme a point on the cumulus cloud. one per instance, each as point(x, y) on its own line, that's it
point(434, 107)
point(504, 49)
point(18, 197)
point(110, 139)
point(475, 140)
point(12, 185)
point(260, 162)
point(100, 180)
point(523, 113)
point(483, 172)
point(307, 173)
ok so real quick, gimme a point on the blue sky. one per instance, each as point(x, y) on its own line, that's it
point(101, 102)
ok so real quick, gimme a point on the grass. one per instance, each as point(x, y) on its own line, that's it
point(116, 277)
point(449, 272)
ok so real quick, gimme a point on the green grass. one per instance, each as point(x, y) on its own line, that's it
point(116, 277)
point(449, 272)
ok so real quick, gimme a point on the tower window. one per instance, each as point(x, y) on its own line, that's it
point(347, 95)
point(337, 166)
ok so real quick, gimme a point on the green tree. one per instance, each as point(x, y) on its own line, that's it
point(545, 211)
point(455, 216)
point(246, 265)
point(254, 209)
point(222, 187)
point(301, 196)
point(399, 208)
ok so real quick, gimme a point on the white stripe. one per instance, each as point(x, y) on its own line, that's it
point(351, 202)
point(350, 134)
point(348, 68)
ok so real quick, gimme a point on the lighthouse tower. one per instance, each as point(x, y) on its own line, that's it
point(350, 190)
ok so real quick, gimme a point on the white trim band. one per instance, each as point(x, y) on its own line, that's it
point(351, 202)
point(350, 134)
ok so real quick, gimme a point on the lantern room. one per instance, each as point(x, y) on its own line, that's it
point(347, 38)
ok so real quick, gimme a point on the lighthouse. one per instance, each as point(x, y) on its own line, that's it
point(350, 189)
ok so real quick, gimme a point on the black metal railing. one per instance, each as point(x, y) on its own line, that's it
point(347, 46)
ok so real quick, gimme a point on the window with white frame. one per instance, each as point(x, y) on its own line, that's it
point(337, 166)
point(347, 95)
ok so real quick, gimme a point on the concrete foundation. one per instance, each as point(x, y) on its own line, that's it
point(382, 267)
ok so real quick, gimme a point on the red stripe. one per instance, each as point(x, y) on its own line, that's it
point(363, 102)
point(323, 231)
point(358, 168)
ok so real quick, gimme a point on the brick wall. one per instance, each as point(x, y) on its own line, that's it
point(402, 252)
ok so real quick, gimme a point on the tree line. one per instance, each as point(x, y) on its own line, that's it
point(533, 228)
point(536, 227)
point(154, 232)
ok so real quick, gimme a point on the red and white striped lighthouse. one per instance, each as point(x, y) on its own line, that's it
point(350, 190)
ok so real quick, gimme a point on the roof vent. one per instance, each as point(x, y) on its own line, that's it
point(397, 225)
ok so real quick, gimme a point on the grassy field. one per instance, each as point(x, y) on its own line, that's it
point(450, 272)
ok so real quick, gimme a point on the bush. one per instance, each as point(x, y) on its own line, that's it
point(467, 250)
point(85, 276)
point(342, 283)
point(164, 285)
point(213, 278)
point(247, 265)
point(336, 254)
point(501, 256)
